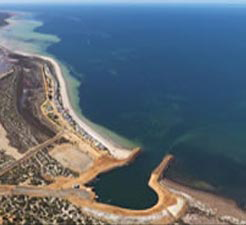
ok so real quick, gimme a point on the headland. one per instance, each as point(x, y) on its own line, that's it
point(51, 155)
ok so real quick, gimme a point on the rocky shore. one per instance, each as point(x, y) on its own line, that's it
point(206, 208)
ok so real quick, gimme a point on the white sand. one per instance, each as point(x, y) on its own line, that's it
point(116, 151)
point(174, 210)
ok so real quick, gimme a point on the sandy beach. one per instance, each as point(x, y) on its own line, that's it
point(114, 149)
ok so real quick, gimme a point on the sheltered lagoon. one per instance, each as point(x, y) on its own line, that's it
point(168, 78)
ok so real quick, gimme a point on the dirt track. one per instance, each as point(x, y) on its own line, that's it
point(30, 153)
point(168, 208)
point(44, 192)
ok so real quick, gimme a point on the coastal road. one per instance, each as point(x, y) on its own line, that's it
point(3, 75)
point(31, 152)
point(44, 192)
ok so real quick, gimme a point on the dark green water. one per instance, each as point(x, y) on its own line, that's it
point(169, 77)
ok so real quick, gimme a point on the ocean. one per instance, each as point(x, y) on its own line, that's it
point(168, 78)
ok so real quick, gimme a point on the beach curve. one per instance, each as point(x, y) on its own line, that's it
point(115, 150)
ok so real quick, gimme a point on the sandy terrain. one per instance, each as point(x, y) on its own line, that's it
point(71, 157)
point(168, 208)
point(4, 144)
point(221, 205)
point(43, 192)
point(113, 148)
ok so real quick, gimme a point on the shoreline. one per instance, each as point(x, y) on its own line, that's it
point(72, 84)
point(214, 202)
point(217, 207)
point(169, 207)
point(114, 149)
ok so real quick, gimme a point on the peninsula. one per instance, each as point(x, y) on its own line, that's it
point(49, 155)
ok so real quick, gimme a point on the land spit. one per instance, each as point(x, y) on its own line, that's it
point(103, 155)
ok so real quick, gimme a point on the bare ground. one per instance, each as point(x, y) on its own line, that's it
point(221, 206)
point(4, 144)
point(72, 157)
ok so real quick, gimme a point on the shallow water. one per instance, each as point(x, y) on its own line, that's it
point(168, 78)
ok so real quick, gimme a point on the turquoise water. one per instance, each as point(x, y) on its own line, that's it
point(168, 78)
